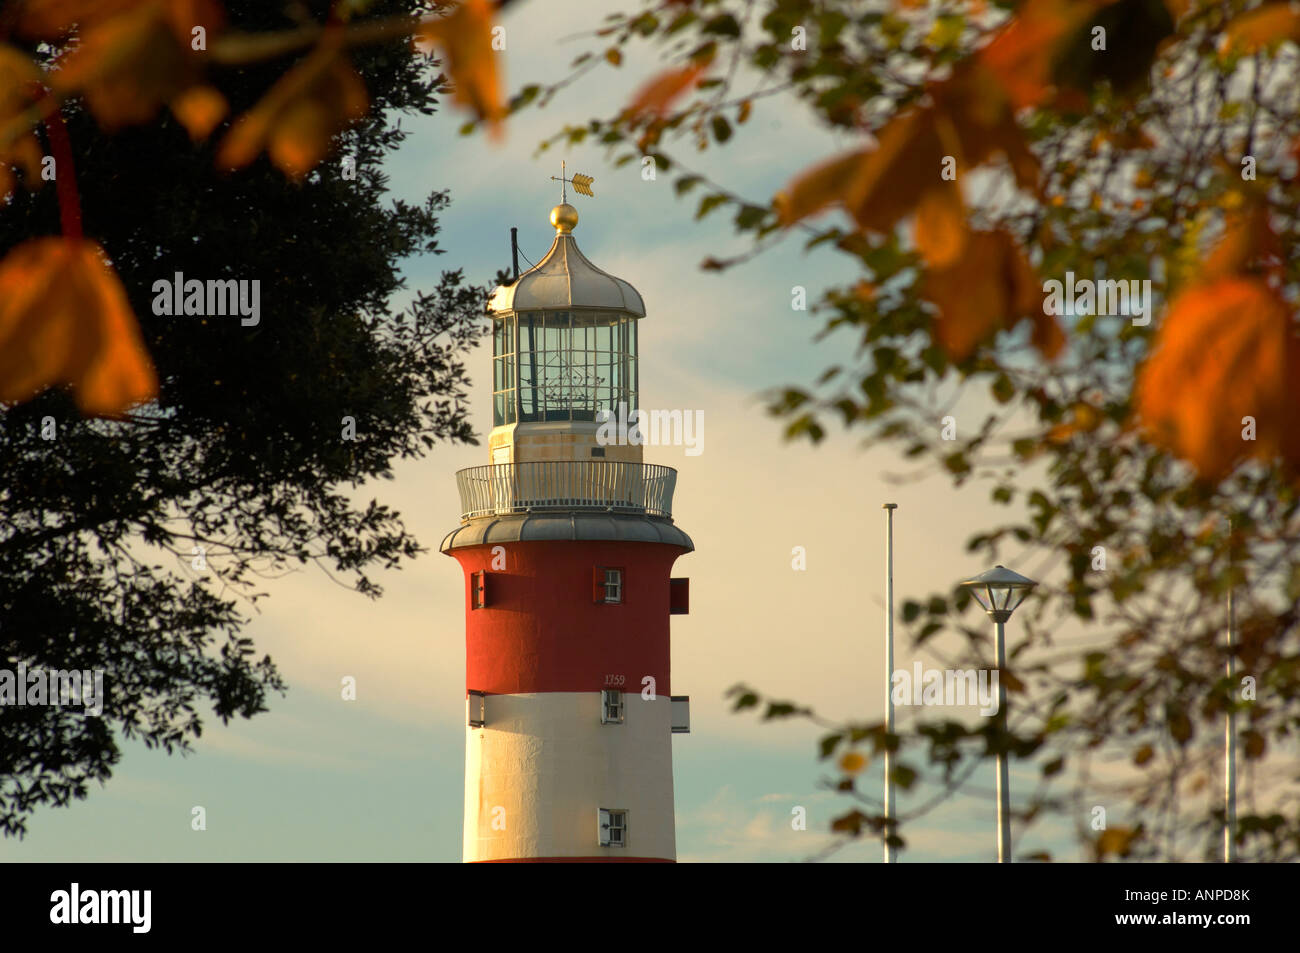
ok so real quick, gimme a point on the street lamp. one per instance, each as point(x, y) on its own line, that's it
point(999, 591)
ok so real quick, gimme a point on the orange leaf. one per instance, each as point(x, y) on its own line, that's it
point(1115, 840)
point(296, 119)
point(19, 83)
point(656, 96)
point(816, 188)
point(465, 38)
point(133, 58)
point(1023, 53)
point(1247, 240)
point(852, 762)
point(970, 121)
point(1262, 28)
point(65, 319)
point(199, 109)
point(50, 19)
point(940, 228)
point(1225, 351)
point(990, 287)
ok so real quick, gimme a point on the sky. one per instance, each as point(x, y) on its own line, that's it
point(381, 777)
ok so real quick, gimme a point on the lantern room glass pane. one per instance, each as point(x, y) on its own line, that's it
point(574, 364)
point(503, 371)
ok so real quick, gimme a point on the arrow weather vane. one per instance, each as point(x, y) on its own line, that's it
point(581, 183)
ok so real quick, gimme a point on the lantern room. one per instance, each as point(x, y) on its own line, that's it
point(564, 353)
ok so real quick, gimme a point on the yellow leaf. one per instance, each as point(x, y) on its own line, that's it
point(1115, 840)
point(852, 762)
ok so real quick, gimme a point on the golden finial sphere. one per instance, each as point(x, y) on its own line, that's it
point(564, 218)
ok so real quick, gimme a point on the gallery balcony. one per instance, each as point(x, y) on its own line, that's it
point(600, 486)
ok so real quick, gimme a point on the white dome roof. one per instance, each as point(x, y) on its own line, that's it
point(564, 279)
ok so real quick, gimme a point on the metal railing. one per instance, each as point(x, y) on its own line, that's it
point(560, 485)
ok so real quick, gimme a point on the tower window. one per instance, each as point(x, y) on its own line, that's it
point(607, 585)
point(475, 709)
point(611, 706)
point(679, 596)
point(613, 828)
point(681, 709)
point(477, 590)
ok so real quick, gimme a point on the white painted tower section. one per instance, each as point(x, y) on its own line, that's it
point(538, 773)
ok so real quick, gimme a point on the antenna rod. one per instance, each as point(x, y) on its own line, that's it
point(514, 250)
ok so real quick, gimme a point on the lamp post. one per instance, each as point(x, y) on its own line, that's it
point(890, 854)
point(999, 591)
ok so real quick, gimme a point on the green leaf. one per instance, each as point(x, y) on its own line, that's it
point(829, 744)
point(686, 183)
point(709, 203)
point(903, 776)
point(748, 700)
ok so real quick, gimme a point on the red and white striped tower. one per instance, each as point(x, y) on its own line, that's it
point(567, 544)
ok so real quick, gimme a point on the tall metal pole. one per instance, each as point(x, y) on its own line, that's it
point(1004, 788)
point(890, 853)
point(1230, 746)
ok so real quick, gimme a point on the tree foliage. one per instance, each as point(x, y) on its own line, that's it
point(1148, 463)
point(135, 543)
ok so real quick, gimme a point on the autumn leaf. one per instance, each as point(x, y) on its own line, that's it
point(465, 38)
point(199, 109)
point(1226, 351)
point(53, 19)
point(940, 228)
point(1023, 54)
point(990, 287)
point(1083, 418)
point(969, 122)
point(65, 320)
point(852, 762)
point(19, 148)
point(132, 58)
point(656, 96)
point(1255, 744)
point(1118, 841)
point(1263, 28)
point(295, 121)
point(1248, 240)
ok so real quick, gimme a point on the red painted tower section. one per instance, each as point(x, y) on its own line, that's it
point(542, 630)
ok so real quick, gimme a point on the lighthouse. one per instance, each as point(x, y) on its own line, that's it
point(567, 545)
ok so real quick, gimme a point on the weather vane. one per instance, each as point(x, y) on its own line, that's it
point(581, 184)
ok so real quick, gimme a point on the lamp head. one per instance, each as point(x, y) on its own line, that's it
point(999, 591)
